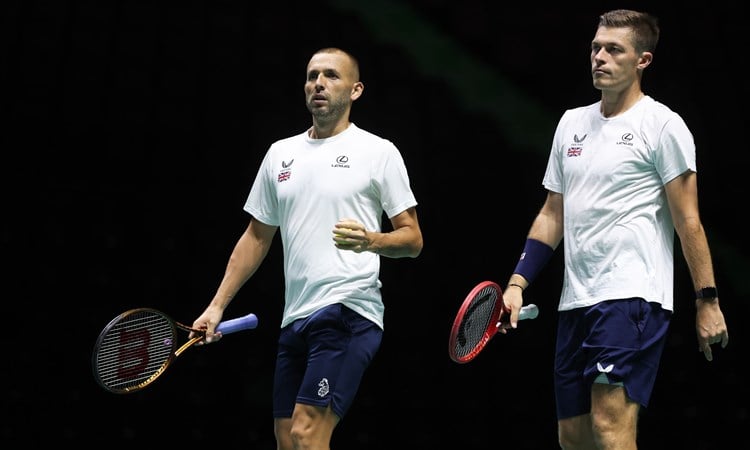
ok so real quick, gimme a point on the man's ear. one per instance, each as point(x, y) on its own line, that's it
point(357, 90)
point(645, 60)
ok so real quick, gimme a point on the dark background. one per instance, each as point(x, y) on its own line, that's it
point(132, 134)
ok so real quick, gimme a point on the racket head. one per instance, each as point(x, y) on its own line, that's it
point(133, 350)
point(476, 322)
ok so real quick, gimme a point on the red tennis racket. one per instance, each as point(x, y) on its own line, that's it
point(137, 346)
point(478, 320)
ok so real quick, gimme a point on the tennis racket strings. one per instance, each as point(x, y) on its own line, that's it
point(476, 321)
point(135, 349)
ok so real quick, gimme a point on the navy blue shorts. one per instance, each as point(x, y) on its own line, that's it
point(322, 358)
point(613, 342)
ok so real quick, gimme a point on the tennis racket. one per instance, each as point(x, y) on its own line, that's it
point(478, 320)
point(137, 346)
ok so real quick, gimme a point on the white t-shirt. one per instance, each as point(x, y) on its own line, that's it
point(304, 186)
point(618, 232)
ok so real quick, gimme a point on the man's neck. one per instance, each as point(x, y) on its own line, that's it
point(323, 130)
point(615, 103)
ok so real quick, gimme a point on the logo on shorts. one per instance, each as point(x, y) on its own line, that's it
point(323, 388)
point(607, 369)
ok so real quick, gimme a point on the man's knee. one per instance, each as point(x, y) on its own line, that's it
point(575, 433)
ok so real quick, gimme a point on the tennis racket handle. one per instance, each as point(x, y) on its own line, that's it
point(240, 323)
point(528, 312)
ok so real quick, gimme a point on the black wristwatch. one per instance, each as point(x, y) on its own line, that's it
point(707, 294)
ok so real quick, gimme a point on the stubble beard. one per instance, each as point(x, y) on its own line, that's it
point(327, 114)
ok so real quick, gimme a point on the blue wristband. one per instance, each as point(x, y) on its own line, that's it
point(535, 256)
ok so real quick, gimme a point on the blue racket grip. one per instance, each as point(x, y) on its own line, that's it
point(240, 323)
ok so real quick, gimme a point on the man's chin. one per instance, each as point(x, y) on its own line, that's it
point(598, 84)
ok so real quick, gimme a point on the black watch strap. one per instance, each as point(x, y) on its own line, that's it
point(707, 293)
